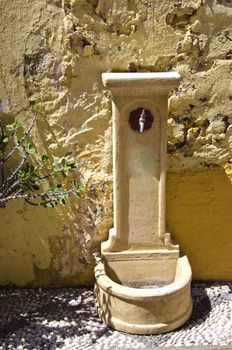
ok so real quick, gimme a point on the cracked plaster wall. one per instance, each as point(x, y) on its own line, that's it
point(54, 52)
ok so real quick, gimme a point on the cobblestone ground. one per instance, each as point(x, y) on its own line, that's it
point(65, 318)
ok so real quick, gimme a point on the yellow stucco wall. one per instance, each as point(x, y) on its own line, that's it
point(54, 52)
point(205, 198)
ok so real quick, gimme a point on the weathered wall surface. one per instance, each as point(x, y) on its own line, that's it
point(54, 51)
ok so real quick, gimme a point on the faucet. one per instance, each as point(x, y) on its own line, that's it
point(142, 121)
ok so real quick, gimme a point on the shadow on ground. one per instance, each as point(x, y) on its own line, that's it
point(64, 317)
point(45, 317)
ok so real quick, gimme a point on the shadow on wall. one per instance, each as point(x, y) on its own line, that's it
point(25, 242)
point(199, 208)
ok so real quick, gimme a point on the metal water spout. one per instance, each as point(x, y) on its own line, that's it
point(142, 120)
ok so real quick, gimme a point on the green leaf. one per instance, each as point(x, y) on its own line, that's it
point(63, 161)
point(29, 148)
point(27, 172)
point(22, 174)
point(44, 158)
point(21, 151)
point(16, 140)
point(57, 168)
point(58, 188)
point(71, 165)
point(78, 187)
point(5, 139)
point(62, 201)
point(14, 126)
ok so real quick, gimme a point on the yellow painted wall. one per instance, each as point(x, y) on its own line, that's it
point(53, 52)
point(199, 216)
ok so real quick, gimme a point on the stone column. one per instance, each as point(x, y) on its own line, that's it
point(139, 158)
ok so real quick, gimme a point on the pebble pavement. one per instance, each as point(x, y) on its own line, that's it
point(65, 318)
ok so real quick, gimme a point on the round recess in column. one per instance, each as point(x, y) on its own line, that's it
point(141, 119)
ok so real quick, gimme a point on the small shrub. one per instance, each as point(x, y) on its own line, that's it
point(31, 172)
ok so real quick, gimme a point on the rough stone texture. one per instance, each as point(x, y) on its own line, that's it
point(54, 51)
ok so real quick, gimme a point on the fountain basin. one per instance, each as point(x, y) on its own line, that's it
point(148, 308)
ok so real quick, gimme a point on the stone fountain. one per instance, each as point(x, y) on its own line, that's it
point(142, 281)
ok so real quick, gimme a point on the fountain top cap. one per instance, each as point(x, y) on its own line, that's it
point(161, 82)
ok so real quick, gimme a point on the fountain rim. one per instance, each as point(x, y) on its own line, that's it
point(131, 293)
